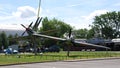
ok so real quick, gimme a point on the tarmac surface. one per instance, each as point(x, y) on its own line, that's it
point(109, 63)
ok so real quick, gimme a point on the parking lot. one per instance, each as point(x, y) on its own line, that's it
point(110, 63)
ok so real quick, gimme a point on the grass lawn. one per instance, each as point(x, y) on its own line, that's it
point(30, 57)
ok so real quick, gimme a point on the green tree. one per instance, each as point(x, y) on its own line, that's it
point(81, 33)
point(10, 39)
point(90, 33)
point(4, 39)
point(108, 25)
point(55, 28)
point(84, 33)
point(15, 36)
point(0, 42)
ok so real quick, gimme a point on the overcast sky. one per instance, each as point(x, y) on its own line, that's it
point(77, 13)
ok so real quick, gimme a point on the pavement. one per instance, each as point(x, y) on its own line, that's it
point(98, 63)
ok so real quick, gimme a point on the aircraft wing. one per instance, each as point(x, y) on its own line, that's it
point(76, 42)
point(21, 38)
point(88, 44)
point(51, 37)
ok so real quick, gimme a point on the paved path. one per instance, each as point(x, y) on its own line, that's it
point(111, 63)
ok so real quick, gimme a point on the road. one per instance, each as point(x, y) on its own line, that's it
point(111, 63)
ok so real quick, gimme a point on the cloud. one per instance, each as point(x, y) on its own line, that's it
point(24, 15)
point(11, 26)
point(74, 5)
point(77, 22)
point(3, 13)
point(25, 12)
point(49, 13)
point(95, 13)
point(84, 21)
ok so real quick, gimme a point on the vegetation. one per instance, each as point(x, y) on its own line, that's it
point(5, 40)
point(54, 28)
point(84, 33)
point(107, 25)
point(29, 57)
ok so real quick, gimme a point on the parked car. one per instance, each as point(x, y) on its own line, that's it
point(53, 48)
point(10, 51)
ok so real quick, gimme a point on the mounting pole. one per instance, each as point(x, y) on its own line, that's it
point(39, 8)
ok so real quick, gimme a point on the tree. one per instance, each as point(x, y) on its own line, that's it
point(108, 25)
point(55, 28)
point(81, 33)
point(0, 42)
point(15, 36)
point(4, 40)
point(84, 33)
point(90, 33)
point(10, 39)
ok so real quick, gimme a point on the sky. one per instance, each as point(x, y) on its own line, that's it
point(77, 13)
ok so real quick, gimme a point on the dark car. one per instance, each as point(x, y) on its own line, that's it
point(53, 48)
